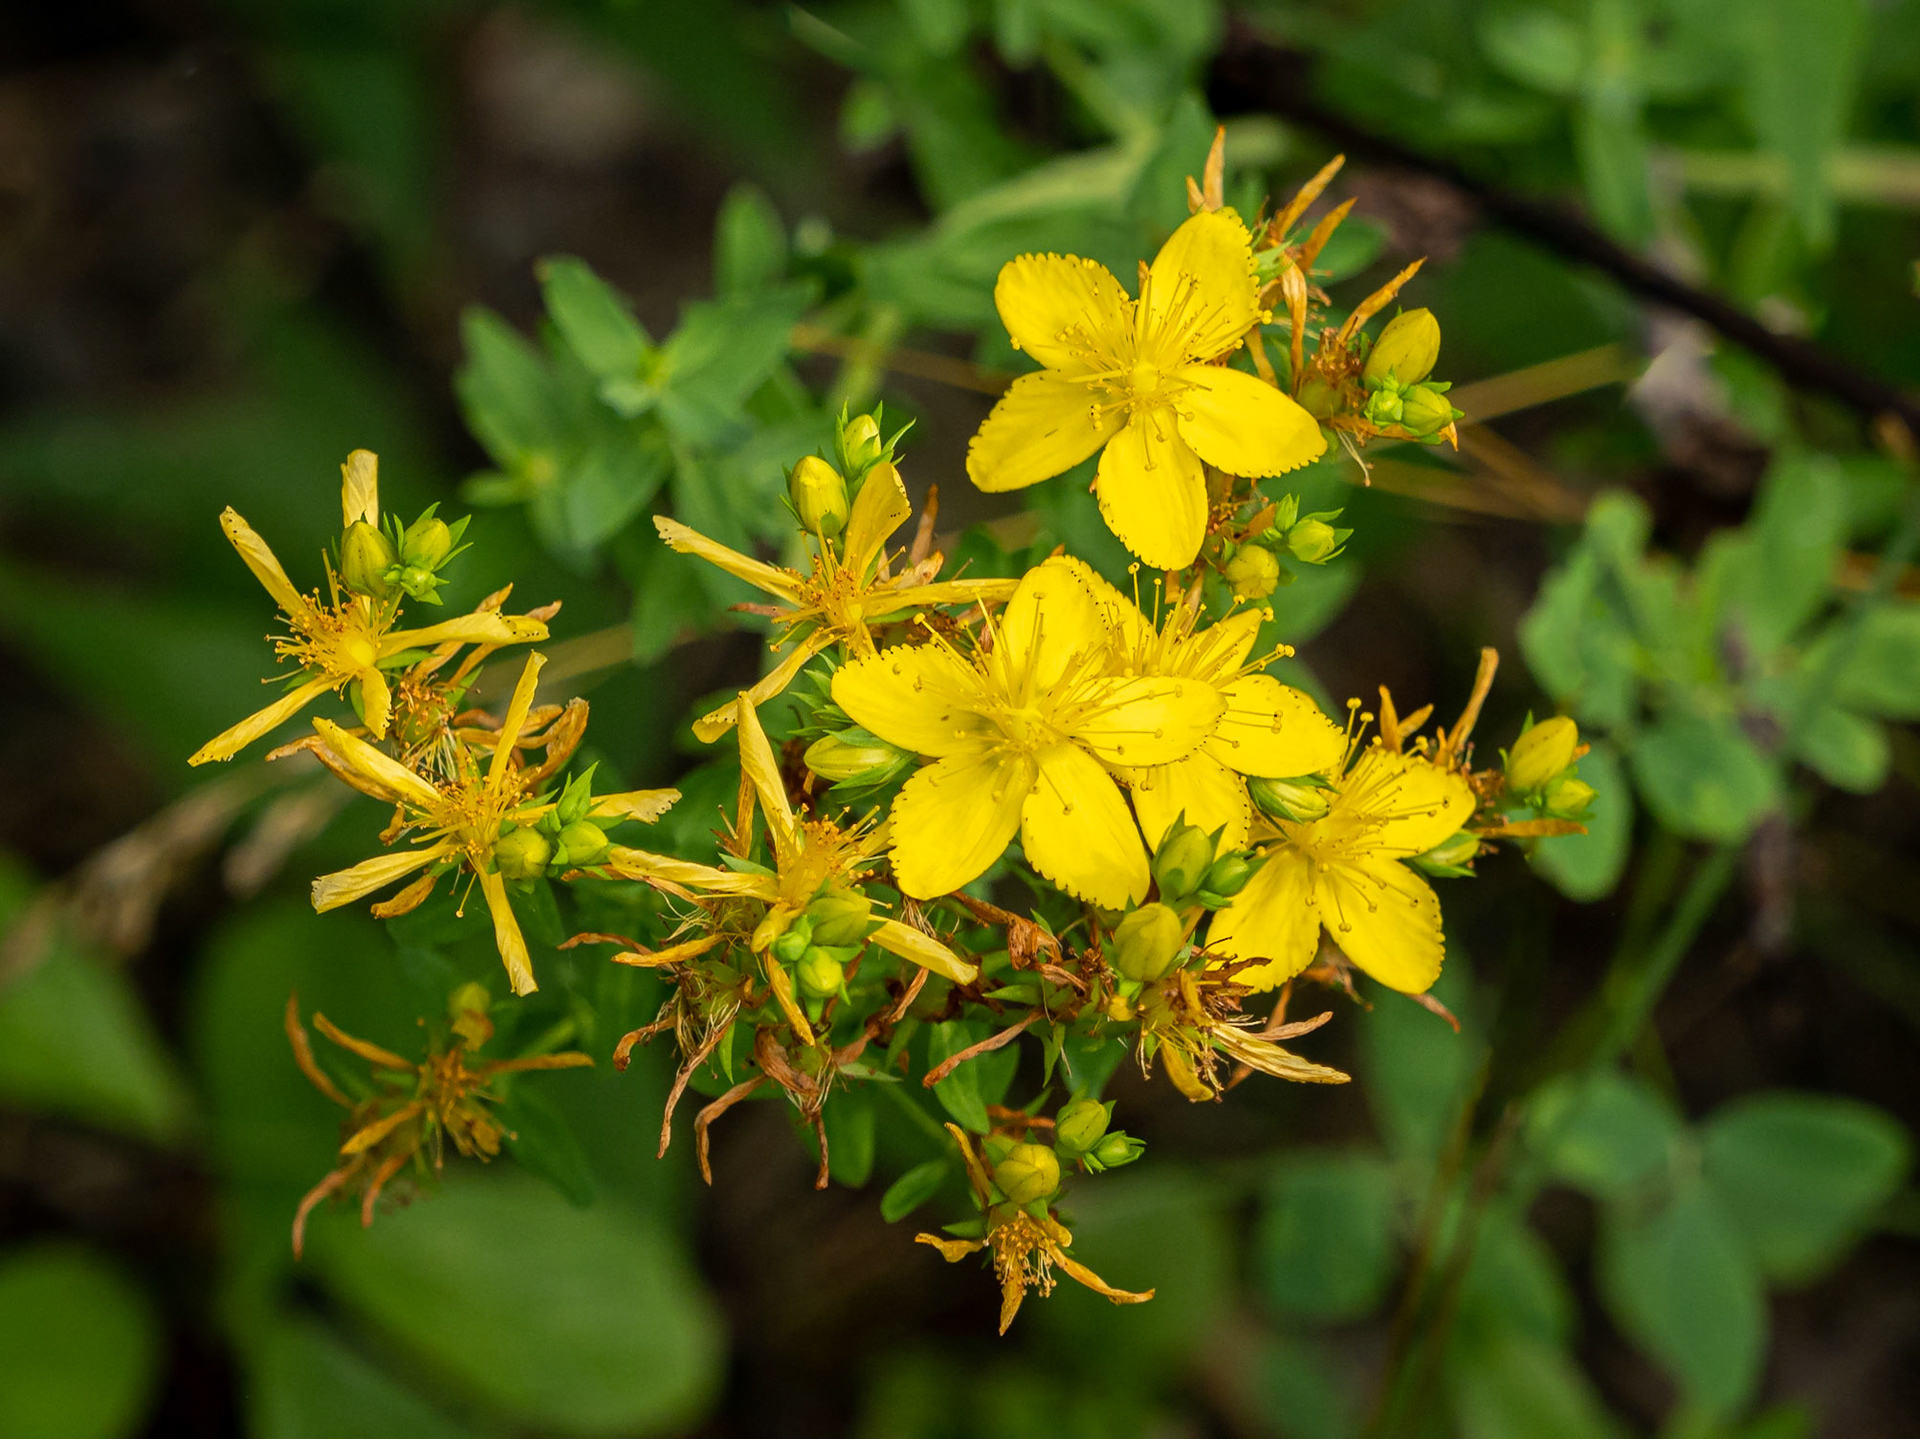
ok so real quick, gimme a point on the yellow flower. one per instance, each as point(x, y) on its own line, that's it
point(350, 638)
point(1344, 872)
point(461, 819)
point(808, 856)
point(1135, 377)
point(849, 587)
point(1019, 738)
point(1269, 729)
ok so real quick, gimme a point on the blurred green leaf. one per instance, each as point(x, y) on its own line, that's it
point(913, 1189)
point(1702, 778)
point(1506, 1384)
point(1801, 1175)
point(1606, 1133)
point(79, 1349)
point(1802, 61)
point(850, 1126)
point(1418, 1069)
point(1775, 573)
point(1515, 1282)
point(750, 244)
point(1845, 749)
point(1881, 674)
point(506, 391)
point(1325, 1237)
point(596, 322)
point(308, 1383)
point(1300, 1380)
point(543, 1143)
point(1586, 867)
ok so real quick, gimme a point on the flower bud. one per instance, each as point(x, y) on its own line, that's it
point(427, 543)
point(1118, 1148)
point(1180, 864)
point(791, 946)
point(1450, 857)
point(1406, 350)
point(819, 974)
point(1146, 942)
point(840, 760)
point(1313, 542)
point(582, 842)
point(1425, 411)
point(365, 557)
point(1229, 875)
point(860, 445)
point(1253, 572)
point(1318, 398)
point(840, 919)
point(1301, 800)
point(1567, 797)
point(819, 495)
point(522, 854)
point(1541, 752)
point(1078, 1127)
point(1385, 406)
point(467, 1010)
point(1029, 1172)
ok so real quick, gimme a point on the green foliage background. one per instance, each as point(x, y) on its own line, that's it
point(548, 260)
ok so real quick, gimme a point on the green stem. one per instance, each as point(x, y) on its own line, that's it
point(1633, 989)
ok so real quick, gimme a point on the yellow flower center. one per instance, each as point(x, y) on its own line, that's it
point(1143, 379)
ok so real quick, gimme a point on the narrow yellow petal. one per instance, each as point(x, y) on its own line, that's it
point(1043, 426)
point(779, 583)
point(781, 983)
point(878, 510)
point(506, 934)
point(1239, 423)
point(763, 771)
point(954, 818)
point(1153, 494)
point(639, 864)
point(1078, 832)
point(1275, 730)
point(1269, 1058)
point(360, 489)
point(944, 592)
point(1199, 787)
point(376, 701)
point(261, 561)
point(330, 891)
point(709, 727)
point(1076, 1270)
point(1063, 310)
point(645, 805)
point(1051, 620)
point(476, 629)
point(1386, 919)
point(384, 777)
point(920, 697)
point(1401, 804)
point(1146, 721)
point(1273, 918)
point(924, 950)
point(515, 721)
point(230, 742)
point(1201, 292)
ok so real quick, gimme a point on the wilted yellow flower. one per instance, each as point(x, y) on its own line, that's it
point(1135, 377)
point(1344, 872)
point(1019, 736)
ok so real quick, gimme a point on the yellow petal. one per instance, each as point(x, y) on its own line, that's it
point(506, 934)
point(954, 818)
point(515, 721)
point(763, 771)
point(639, 864)
point(1269, 1058)
point(1238, 423)
point(383, 776)
point(1275, 730)
point(1399, 805)
point(1208, 793)
point(1076, 1270)
point(229, 743)
point(360, 489)
point(1063, 310)
point(376, 701)
point(330, 891)
point(645, 805)
point(475, 629)
point(1050, 621)
point(946, 592)
point(878, 510)
point(1043, 426)
point(1141, 722)
point(709, 727)
point(1078, 832)
point(1218, 651)
point(920, 697)
point(1152, 492)
point(924, 950)
point(781, 584)
point(1273, 918)
point(261, 561)
point(1386, 919)
point(1200, 297)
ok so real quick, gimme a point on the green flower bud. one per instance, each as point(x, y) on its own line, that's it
point(467, 1010)
point(365, 557)
point(791, 946)
point(1180, 864)
point(1425, 411)
point(1385, 407)
point(1567, 797)
point(522, 854)
point(841, 760)
point(860, 445)
point(1318, 398)
point(1253, 572)
point(1450, 857)
point(582, 842)
point(841, 920)
point(1029, 1172)
point(1078, 1127)
point(1229, 875)
point(1313, 542)
point(819, 495)
point(1301, 800)
point(1541, 752)
point(1118, 1148)
point(819, 974)
point(1406, 350)
point(427, 543)
point(1146, 943)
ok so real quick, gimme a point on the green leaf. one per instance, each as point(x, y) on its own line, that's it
point(506, 390)
point(79, 1348)
point(1680, 1284)
point(720, 354)
point(306, 1382)
point(542, 1141)
point(1586, 867)
point(1606, 1133)
point(592, 318)
point(1418, 1069)
point(1702, 778)
point(1324, 1241)
point(1802, 60)
point(1535, 46)
point(750, 244)
point(850, 1128)
point(1847, 750)
point(1881, 675)
point(983, 1080)
point(1515, 1281)
point(1801, 1175)
point(913, 1189)
point(1301, 1380)
point(585, 1321)
point(1506, 1384)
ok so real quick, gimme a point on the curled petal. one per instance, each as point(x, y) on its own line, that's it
point(781, 584)
point(645, 805)
point(1093, 1281)
point(515, 721)
point(376, 701)
point(229, 743)
point(480, 628)
point(710, 727)
point(639, 864)
point(360, 489)
point(925, 951)
point(374, 772)
point(506, 934)
point(763, 771)
point(260, 559)
point(330, 891)
point(1269, 1058)
point(951, 1250)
